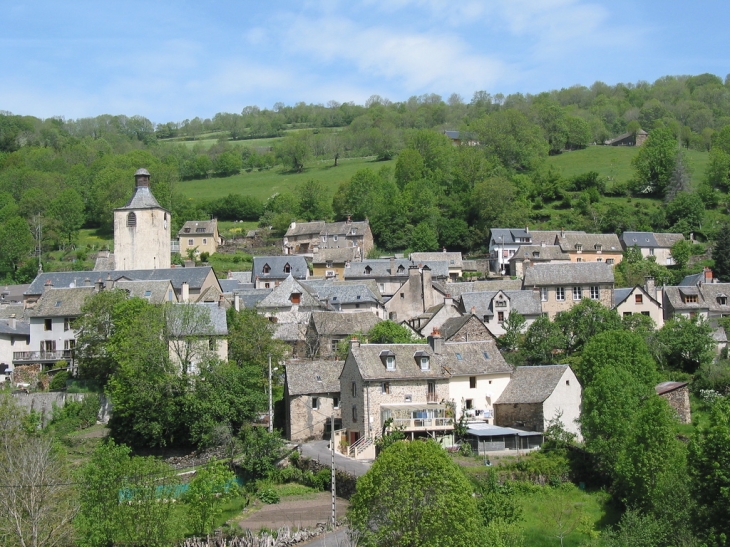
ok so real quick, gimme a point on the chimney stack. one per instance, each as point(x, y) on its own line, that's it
point(221, 300)
point(708, 275)
point(12, 322)
point(185, 291)
point(237, 302)
point(436, 341)
point(354, 342)
point(99, 285)
point(649, 286)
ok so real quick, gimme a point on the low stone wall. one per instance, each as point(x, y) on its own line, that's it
point(44, 402)
point(282, 538)
point(345, 483)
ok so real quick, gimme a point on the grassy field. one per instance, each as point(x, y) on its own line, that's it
point(262, 184)
point(614, 162)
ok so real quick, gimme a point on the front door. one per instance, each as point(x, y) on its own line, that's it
point(354, 436)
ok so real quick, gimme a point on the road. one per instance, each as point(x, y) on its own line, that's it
point(319, 451)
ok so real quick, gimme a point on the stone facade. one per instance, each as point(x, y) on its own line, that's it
point(473, 330)
point(527, 416)
point(562, 298)
point(414, 297)
point(306, 423)
point(677, 395)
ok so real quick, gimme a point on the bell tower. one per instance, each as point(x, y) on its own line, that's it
point(141, 230)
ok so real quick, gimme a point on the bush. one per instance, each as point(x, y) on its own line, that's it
point(269, 496)
point(204, 256)
point(59, 381)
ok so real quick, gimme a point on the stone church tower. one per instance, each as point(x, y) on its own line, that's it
point(141, 230)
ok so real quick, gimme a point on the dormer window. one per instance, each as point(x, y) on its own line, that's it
point(200, 230)
point(388, 358)
point(131, 219)
point(401, 270)
point(186, 230)
point(287, 268)
point(535, 254)
point(579, 247)
point(368, 270)
point(422, 359)
point(598, 247)
point(329, 263)
point(722, 300)
point(266, 269)
point(425, 363)
point(500, 303)
point(296, 297)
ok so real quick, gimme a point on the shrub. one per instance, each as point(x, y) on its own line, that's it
point(204, 256)
point(59, 381)
point(269, 496)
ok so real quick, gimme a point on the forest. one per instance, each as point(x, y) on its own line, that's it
point(419, 191)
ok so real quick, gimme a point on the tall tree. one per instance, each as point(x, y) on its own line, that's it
point(655, 162)
point(721, 254)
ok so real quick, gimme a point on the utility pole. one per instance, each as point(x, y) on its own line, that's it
point(271, 404)
point(332, 450)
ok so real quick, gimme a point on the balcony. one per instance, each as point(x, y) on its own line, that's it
point(418, 417)
point(432, 398)
point(23, 357)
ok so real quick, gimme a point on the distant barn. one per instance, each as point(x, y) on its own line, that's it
point(628, 139)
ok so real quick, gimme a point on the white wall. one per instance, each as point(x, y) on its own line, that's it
point(565, 399)
point(487, 384)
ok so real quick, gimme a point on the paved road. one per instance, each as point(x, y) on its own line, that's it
point(319, 450)
point(337, 538)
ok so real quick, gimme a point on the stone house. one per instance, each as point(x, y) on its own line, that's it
point(198, 332)
point(415, 296)
point(270, 271)
point(536, 395)
point(421, 387)
point(142, 230)
point(308, 238)
point(505, 242)
point(14, 338)
point(465, 328)
point(562, 286)
point(640, 300)
point(677, 395)
point(529, 255)
point(331, 263)
point(495, 307)
point(201, 235)
point(454, 260)
point(312, 399)
point(435, 316)
point(628, 139)
point(582, 247)
point(327, 329)
point(346, 296)
point(391, 273)
point(658, 245)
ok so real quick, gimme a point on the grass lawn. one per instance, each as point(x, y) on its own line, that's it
point(614, 162)
point(262, 184)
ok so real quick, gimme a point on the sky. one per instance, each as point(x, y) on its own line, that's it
point(175, 60)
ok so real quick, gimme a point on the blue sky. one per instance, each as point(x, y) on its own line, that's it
point(172, 60)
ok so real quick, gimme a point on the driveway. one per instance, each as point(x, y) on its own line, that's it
point(338, 538)
point(319, 451)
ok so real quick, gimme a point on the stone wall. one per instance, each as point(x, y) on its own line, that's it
point(44, 403)
point(679, 401)
point(306, 423)
point(473, 331)
point(524, 416)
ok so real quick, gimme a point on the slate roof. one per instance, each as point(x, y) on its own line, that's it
point(713, 294)
point(666, 387)
point(12, 293)
point(649, 239)
point(674, 296)
point(22, 328)
point(251, 297)
point(297, 264)
point(342, 324)
point(241, 277)
point(548, 237)
point(193, 227)
point(381, 268)
point(62, 302)
point(345, 228)
point(544, 253)
point(350, 293)
point(459, 288)
point(156, 292)
point(569, 240)
point(453, 258)
point(443, 365)
point(693, 279)
point(290, 332)
point(194, 276)
point(310, 377)
point(141, 199)
point(104, 261)
point(179, 323)
point(507, 236)
point(337, 256)
point(229, 285)
point(17, 310)
point(525, 302)
point(532, 384)
point(575, 273)
point(305, 228)
point(452, 325)
point(370, 284)
point(280, 296)
point(619, 295)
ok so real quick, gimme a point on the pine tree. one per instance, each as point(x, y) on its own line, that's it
point(721, 254)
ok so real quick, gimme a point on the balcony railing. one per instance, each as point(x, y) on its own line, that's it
point(432, 398)
point(36, 356)
point(423, 423)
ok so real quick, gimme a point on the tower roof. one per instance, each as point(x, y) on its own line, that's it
point(142, 199)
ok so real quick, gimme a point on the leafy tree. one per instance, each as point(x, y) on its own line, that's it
point(16, 243)
point(681, 251)
point(542, 339)
point(294, 150)
point(261, 451)
point(680, 180)
point(513, 327)
point(424, 238)
point(212, 485)
point(185, 324)
point(68, 212)
point(409, 167)
point(655, 161)
point(390, 332)
point(497, 502)
point(685, 343)
point(721, 254)
point(509, 137)
point(582, 322)
point(414, 495)
point(314, 203)
point(251, 341)
point(709, 469)
point(685, 212)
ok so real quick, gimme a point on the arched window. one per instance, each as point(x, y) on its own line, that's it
point(131, 219)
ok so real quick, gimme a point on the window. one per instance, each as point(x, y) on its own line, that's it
point(385, 388)
point(560, 294)
point(390, 362)
point(357, 305)
point(610, 261)
point(500, 303)
point(722, 300)
point(472, 382)
point(205, 241)
point(408, 398)
point(295, 298)
point(598, 247)
point(639, 298)
point(335, 402)
point(579, 247)
point(131, 219)
point(333, 345)
point(329, 264)
point(69, 345)
point(645, 313)
point(186, 230)
point(599, 260)
point(543, 294)
point(148, 294)
point(651, 251)
point(315, 403)
point(267, 285)
point(424, 363)
point(49, 345)
point(200, 230)
point(486, 319)
point(595, 292)
point(266, 269)
point(459, 357)
point(211, 343)
point(535, 254)
point(500, 317)
point(334, 238)
point(368, 269)
point(66, 323)
point(579, 259)
point(191, 242)
point(354, 389)
point(627, 314)
point(577, 293)
point(402, 295)
point(469, 404)
point(48, 324)
point(354, 413)
point(567, 382)
point(287, 268)
point(324, 239)
point(690, 298)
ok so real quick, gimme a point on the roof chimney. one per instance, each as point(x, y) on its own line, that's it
point(185, 291)
point(649, 286)
point(708, 275)
point(99, 285)
point(349, 219)
point(562, 232)
point(12, 321)
point(436, 341)
point(392, 265)
point(473, 310)
point(527, 229)
point(48, 284)
point(221, 300)
point(444, 249)
point(354, 342)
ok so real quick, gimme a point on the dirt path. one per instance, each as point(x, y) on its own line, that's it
point(304, 512)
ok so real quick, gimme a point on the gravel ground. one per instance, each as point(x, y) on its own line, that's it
point(302, 513)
